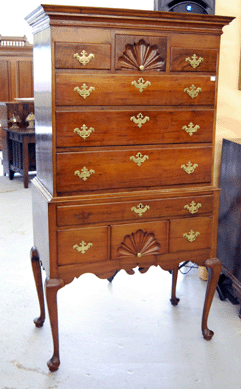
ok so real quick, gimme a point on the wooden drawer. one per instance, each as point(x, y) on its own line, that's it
point(136, 210)
point(82, 245)
point(192, 60)
point(96, 56)
point(119, 90)
point(137, 243)
point(133, 127)
point(190, 234)
point(100, 170)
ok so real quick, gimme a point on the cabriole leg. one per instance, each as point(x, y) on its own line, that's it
point(39, 321)
point(215, 269)
point(174, 300)
point(52, 287)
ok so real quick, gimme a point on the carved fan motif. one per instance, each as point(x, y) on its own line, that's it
point(141, 56)
point(138, 244)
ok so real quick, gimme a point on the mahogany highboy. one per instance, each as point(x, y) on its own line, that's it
point(125, 115)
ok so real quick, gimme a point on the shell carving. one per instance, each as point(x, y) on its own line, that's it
point(141, 56)
point(138, 244)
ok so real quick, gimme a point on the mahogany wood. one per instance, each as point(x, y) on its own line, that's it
point(124, 211)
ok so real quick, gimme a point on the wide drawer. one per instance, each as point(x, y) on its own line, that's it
point(133, 127)
point(139, 239)
point(82, 245)
point(82, 55)
point(134, 210)
point(192, 60)
point(84, 90)
point(190, 234)
point(128, 168)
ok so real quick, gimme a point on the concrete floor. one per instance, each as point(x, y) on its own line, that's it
point(125, 335)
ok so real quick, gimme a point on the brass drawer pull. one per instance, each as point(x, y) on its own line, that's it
point(84, 132)
point(84, 174)
point(193, 91)
point(84, 91)
point(84, 58)
point(83, 247)
point(141, 84)
point(193, 207)
point(190, 129)
point(140, 120)
point(139, 158)
point(190, 168)
point(194, 61)
point(191, 236)
point(140, 209)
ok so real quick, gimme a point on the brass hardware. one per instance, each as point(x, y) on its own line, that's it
point(14, 120)
point(189, 168)
point(139, 255)
point(139, 158)
point(84, 58)
point(140, 209)
point(85, 133)
point(140, 119)
point(193, 207)
point(84, 92)
point(190, 129)
point(84, 174)
point(194, 61)
point(142, 67)
point(30, 119)
point(83, 247)
point(141, 84)
point(192, 92)
point(191, 236)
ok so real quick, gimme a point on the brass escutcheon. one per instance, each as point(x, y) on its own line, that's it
point(140, 120)
point(193, 207)
point(84, 132)
point(140, 209)
point(193, 91)
point(139, 158)
point(141, 84)
point(190, 129)
point(84, 58)
point(194, 61)
point(189, 168)
point(191, 236)
point(84, 174)
point(83, 247)
point(84, 91)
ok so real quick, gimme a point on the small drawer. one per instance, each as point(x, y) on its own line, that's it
point(128, 168)
point(82, 245)
point(82, 56)
point(192, 60)
point(136, 210)
point(133, 127)
point(190, 234)
point(124, 90)
point(128, 242)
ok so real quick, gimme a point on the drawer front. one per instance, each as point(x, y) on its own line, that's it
point(82, 245)
point(82, 56)
point(84, 90)
point(98, 170)
point(137, 210)
point(133, 127)
point(192, 60)
point(136, 244)
point(190, 234)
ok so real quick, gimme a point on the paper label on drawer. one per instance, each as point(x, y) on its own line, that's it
point(213, 78)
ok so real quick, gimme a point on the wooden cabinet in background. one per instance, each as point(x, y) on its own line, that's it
point(125, 128)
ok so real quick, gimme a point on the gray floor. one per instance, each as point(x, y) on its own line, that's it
point(121, 336)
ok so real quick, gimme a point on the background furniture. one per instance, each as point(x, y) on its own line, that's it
point(229, 227)
point(124, 140)
point(17, 156)
point(16, 70)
